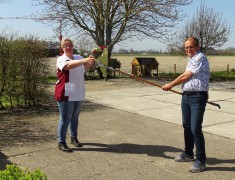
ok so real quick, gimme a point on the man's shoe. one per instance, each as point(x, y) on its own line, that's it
point(63, 147)
point(197, 167)
point(183, 157)
point(75, 142)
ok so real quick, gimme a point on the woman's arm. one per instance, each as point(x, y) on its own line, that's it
point(88, 62)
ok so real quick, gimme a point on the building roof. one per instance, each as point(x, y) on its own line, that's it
point(146, 60)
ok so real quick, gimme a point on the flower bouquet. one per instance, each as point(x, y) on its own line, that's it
point(101, 55)
point(97, 52)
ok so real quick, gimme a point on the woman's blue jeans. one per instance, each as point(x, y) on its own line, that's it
point(193, 108)
point(69, 114)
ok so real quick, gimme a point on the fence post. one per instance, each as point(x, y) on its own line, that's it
point(227, 72)
point(174, 70)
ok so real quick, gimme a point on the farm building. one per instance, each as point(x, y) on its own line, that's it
point(145, 66)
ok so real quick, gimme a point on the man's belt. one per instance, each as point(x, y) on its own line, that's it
point(190, 93)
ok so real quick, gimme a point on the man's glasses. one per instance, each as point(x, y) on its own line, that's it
point(190, 47)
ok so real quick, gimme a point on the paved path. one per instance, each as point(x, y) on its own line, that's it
point(128, 133)
point(153, 102)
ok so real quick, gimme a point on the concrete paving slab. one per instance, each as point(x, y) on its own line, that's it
point(223, 129)
point(219, 96)
point(217, 117)
point(134, 104)
point(227, 85)
point(170, 114)
point(226, 107)
point(232, 100)
point(165, 97)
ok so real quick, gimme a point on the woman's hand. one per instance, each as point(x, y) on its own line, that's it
point(89, 61)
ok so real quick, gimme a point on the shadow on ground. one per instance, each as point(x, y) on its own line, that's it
point(35, 125)
point(3, 161)
point(216, 161)
point(156, 151)
point(126, 148)
point(25, 126)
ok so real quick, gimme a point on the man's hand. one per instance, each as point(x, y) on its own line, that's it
point(167, 87)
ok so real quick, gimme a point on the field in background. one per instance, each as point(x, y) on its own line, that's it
point(166, 63)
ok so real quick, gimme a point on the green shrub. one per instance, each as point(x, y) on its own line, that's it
point(114, 63)
point(24, 68)
point(13, 172)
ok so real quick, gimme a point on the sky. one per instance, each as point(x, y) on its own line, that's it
point(25, 8)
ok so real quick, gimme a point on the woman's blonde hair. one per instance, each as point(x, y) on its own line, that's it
point(64, 40)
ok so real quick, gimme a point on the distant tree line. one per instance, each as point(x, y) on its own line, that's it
point(230, 51)
point(132, 51)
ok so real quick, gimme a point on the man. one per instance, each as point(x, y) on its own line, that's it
point(195, 86)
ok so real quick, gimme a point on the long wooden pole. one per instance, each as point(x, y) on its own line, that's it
point(151, 83)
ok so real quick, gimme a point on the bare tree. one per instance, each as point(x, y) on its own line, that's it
point(111, 21)
point(208, 26)
point(85, 45)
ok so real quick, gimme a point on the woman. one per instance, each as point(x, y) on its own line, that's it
point(70, 92)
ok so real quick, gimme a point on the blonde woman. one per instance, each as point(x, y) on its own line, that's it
point(70, 92)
